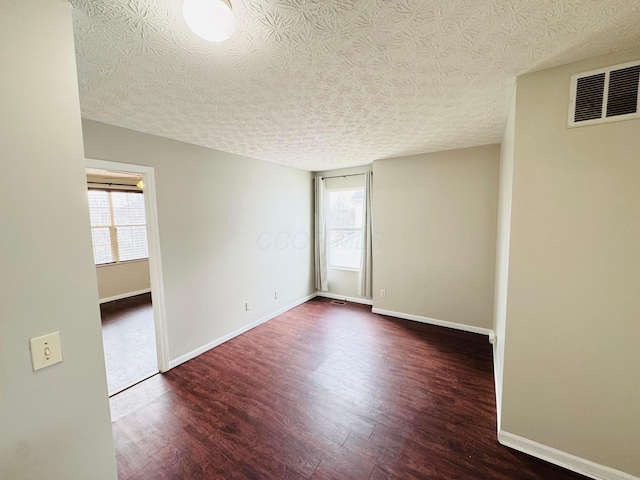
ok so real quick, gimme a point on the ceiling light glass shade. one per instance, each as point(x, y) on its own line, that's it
point(212, 20)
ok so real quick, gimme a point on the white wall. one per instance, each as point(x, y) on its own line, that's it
point(434, 225)
point(119, 279)
point(571, 376)
point(54, 423)
point(232, 229)
point(502, 251)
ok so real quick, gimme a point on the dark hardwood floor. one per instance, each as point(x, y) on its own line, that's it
point(129, 340)
point(324, 392)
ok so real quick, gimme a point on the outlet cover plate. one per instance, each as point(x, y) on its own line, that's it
point(45, 350)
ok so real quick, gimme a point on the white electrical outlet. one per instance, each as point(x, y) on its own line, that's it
point(383, 293)
point(247, 306)
point(45, 350)
point(277, 295)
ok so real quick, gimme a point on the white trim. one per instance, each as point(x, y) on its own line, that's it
point(433, 321)
point(563, 459)
point(364, 301)
point(153, 241)
point(125, 295)
point(200, 350)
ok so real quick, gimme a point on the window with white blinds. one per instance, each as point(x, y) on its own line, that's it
point(118, 226)
point(345, 224)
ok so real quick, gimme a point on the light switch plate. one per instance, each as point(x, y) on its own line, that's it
point(45, 350)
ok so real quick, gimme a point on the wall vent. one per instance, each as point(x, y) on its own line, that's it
point(605, 95)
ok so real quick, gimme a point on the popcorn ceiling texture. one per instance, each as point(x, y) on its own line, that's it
point(323, 84)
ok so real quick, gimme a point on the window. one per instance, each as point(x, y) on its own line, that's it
point(345, 228)
point(118, 226)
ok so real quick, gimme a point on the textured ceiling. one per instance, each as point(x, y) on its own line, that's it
point(320, 84)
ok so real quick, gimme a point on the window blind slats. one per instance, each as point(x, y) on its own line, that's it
point(99, 208)
point(118, 226)
point(345, 228)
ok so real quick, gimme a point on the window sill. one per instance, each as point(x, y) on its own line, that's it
point(346, 269)
point(123, 262)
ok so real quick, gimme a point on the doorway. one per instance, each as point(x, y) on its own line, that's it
point(128, 268)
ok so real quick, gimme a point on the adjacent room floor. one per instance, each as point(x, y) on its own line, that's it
point(324, 392)
point(129, 341)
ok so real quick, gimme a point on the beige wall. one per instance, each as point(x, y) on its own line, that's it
point(54, 423)
point(434, 224)
point(232, 229)
point(118, 279)
point(344, 282)
point(571, 376)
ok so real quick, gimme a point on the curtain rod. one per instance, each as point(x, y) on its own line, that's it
point(342, 176)
point(117, 184)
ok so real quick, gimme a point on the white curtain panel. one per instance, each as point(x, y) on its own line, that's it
point(364, 289)
point(320, 237)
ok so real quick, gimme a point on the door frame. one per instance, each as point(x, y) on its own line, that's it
point(153, 241)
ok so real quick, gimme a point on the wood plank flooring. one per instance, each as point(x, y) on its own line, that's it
point(323, 392)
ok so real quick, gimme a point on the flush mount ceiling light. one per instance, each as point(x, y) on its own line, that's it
point(212, 20)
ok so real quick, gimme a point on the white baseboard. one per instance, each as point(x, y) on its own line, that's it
point(364, 301)
point(563, 459)
point(433, 321)
point(125, 295)
point(199, 351)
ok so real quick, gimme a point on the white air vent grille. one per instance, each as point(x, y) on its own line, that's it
point(605, 95)
point(589, 97)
